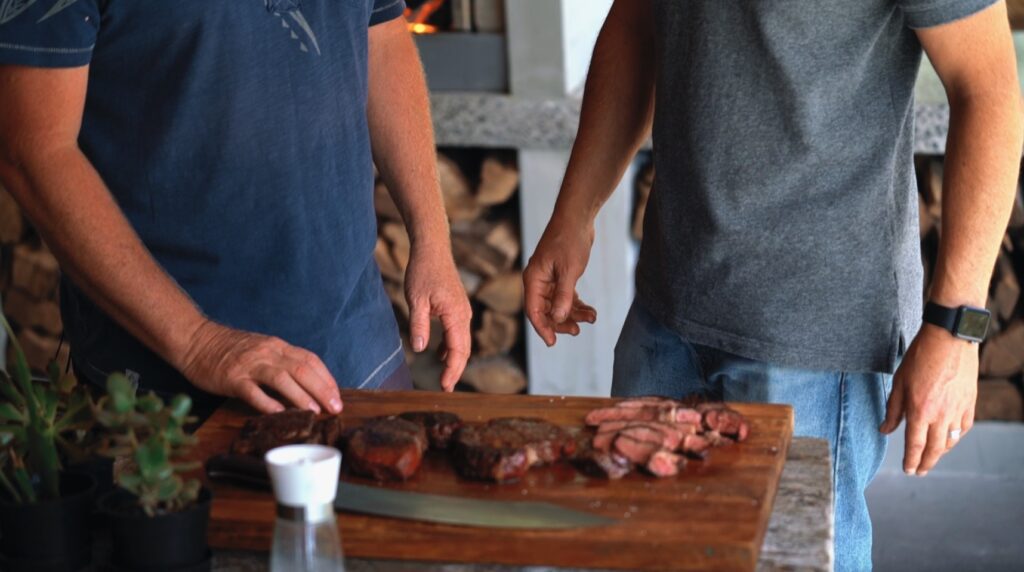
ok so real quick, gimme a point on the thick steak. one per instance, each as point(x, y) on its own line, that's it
point(439, 425)
point(599, 462)
point(386, 448)
point(504, 449)
point(263, 433)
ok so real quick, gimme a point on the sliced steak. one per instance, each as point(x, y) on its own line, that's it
point(636, 451)
point(386, 448)
point(599, 463)
point(504, 449)
point(263, 433)
point(439, 425)
point(727, 422)
point(665, 463)
point(667, 412)
point(696, 446)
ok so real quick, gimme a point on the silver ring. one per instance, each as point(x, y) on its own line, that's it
point(954, 435)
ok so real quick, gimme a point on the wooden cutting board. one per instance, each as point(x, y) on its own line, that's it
point(712, 516)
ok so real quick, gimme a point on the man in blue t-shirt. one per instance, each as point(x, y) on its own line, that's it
point(204, 170)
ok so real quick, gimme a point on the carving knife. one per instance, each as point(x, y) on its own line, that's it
point(444, 509)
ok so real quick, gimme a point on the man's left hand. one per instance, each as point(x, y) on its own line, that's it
point(433, 289)
point(936, 388)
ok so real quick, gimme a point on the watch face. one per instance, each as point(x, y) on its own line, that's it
point(973, 324)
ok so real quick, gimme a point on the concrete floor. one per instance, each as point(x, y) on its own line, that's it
point(967, 514)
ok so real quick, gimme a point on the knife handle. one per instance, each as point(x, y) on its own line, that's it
point(240, 469)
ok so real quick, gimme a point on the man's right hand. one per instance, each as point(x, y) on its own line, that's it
point(234, 363)
point(552, 304)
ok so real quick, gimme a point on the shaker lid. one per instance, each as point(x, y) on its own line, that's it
point(304, 475)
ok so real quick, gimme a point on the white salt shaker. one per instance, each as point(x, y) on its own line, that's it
point(305, 480)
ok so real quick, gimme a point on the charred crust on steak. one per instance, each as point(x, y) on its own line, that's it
point(504, 449)
point(439, 425)
point(263, 433)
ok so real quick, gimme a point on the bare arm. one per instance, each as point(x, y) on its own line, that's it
point(60, 191)
point(403, 148)
point(618, 110)
point(936, 385)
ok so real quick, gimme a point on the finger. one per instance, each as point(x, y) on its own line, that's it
point(314, 362)
point(894, 409)
point(536, 310)
point(458, 345)
point(311, 382)
point(568, 327)
point(285, 384)
point(938, 437)
point(258, 400)
point(583, 313)
point(916, 440)
point(565, 294)
point(967, 422)
point(419, 324)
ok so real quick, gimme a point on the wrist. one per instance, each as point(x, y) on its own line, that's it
point(194, 337)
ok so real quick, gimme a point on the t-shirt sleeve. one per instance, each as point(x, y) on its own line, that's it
point(386, 10)
point(929, 13)
point(48, 33)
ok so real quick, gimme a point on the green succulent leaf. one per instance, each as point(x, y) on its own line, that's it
point(24, 483)
point(121, 392)
point(150, 403)
point(9, 391)
point(152, 460)
point(68, 382)
point(180, 406)
point(8, 412)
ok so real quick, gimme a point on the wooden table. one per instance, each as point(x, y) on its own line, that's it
point(728, 499)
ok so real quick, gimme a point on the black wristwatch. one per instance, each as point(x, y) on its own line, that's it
point(966, 322)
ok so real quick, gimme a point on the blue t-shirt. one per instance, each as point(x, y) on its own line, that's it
point(233, 134)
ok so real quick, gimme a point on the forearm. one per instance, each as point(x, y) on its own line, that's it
point(980, 178)
point(402, 134)
point(75, 214)
point(618, 110)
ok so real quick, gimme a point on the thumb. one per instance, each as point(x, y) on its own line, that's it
point(419, 324)
point(565, 294)
point(894, 410)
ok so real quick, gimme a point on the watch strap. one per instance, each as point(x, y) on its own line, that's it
point(939, 315)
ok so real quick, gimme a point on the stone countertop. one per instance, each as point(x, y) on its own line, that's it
point(494, 120)
point(799, 535)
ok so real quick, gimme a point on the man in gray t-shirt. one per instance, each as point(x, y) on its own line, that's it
point(780, 259)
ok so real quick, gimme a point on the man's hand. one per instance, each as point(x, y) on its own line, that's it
point(239, 364)
point(433, 289)
point(552, 304)
point(936, 388)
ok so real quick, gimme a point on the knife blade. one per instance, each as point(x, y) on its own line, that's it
point(444, 509)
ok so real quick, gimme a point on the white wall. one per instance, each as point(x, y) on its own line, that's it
point(582, 22)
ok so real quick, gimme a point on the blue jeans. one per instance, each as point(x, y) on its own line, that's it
point(844, 408)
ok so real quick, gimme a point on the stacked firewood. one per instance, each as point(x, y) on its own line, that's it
point(29, 279)
point(1002, 355)
point(478, 192)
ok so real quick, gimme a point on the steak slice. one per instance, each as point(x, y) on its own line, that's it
point(263, 433)
point(597, 462)
point(636, 451)
point(439, 425)
point(645, 411)
point(665, 464)
point(504, 449)
point(725, 421)
point(328, 431)
point(386, 448)
point(697, 446)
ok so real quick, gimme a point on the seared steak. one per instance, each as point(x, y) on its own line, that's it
point(385, 448)
point(439, 425)
point(727, 422)
point(263, 433)
point(665, 463)
point(599, 462)
point(503, 450)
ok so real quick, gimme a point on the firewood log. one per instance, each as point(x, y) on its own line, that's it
point(498, 181)
point(458, 197)
point(497, 375)
point(1001, 356)
point(503, 293)
point(35, 272)
point(12, 224)
point(497, 335)
point(42, 315)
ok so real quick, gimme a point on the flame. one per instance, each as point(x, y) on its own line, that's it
point(418, 18)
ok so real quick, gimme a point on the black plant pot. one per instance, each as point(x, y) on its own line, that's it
point(172, 542)
point(50, 536)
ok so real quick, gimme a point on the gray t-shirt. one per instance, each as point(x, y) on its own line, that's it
point(783, 224)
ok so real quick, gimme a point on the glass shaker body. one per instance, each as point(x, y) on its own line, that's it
point(306, 541)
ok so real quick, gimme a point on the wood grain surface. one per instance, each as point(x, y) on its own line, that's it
point(712, 516)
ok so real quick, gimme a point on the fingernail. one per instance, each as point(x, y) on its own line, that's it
point(335, 405)
point(314, 407)
point(908, 472)
point(418, 344)
point(278, 408)
point(922, 473)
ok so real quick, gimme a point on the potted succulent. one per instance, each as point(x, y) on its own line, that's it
point(45, 510)
point(158, 515)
